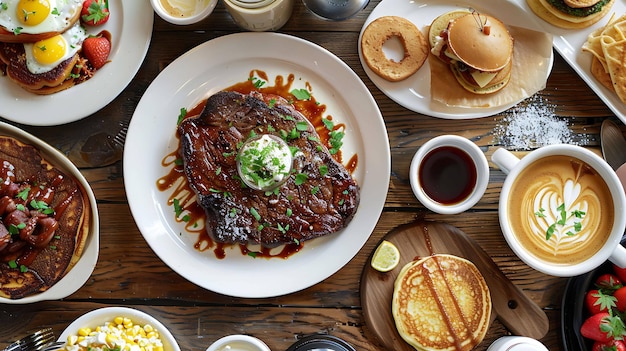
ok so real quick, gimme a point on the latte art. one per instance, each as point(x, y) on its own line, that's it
point(562, 212)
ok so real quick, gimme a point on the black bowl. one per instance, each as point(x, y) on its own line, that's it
point(573, 312)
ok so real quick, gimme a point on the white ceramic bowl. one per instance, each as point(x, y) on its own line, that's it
point(107, 314)
point(157, 5)
point(239, 342)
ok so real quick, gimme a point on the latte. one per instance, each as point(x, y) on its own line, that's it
point(560, 210)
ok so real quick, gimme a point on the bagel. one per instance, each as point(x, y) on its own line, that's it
point(414, 43)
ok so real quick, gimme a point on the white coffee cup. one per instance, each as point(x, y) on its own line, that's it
point(476, 161)
point(607, 248)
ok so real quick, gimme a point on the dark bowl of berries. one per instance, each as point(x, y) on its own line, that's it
point(593, 314)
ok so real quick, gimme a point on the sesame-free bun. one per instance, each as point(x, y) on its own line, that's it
point(558, 18)
point(481, 42)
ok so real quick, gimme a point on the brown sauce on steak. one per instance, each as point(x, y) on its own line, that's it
point(194, 214)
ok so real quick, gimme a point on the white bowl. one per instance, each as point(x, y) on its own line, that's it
point(238, 342)
point(160, 10)
point(107, 314)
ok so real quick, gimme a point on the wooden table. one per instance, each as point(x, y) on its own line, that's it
point(129, 273)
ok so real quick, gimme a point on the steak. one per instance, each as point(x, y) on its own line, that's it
point(318, 198)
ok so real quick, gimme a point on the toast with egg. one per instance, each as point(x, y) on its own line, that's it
point(49, 65)
point(55, 211)
point(441, 302)
point(27, 21)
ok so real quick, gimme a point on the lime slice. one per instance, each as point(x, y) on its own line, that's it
point(386, 257)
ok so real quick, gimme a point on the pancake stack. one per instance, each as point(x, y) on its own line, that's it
point(441, 302)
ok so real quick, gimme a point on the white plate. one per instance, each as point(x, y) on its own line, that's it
point(79, 274)
point(207, 69)
point(413, 93)
point(130, 26)
point(569, 42)
point(100, 316)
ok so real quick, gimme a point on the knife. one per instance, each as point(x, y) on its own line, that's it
point(614, 148)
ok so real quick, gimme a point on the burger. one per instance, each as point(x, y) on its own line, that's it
point(571, 14)
point(478, 49)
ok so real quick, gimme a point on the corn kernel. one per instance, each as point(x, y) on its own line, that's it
point(120, 331)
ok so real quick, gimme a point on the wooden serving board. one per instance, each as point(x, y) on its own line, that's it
point(510, 305)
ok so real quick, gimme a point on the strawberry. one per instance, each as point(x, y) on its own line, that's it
point(597, 301)
point(97, 49)
point(620, 299)
point(620, 272)
point(608, 283)
point(603, 327)
point(613, 345)
point(95, 12)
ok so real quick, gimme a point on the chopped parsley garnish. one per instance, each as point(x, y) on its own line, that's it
point(301, 94)
point(181, 115)
point(562, 218)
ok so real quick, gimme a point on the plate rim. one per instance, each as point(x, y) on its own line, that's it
point(322, 55)
point(73, 280)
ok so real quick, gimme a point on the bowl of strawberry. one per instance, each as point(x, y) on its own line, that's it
point(593, 314)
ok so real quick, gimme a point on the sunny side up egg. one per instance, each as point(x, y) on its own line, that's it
point(44, 55)
point(38, 16)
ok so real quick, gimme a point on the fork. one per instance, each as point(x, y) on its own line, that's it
point(33, 342)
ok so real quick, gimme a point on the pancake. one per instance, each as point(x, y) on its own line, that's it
point(441, 302)
point(33, 261)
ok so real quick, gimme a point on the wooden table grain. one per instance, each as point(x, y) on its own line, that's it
point(128, 272)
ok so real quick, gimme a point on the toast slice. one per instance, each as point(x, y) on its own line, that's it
point(14, 57)
point(441, 302)
point(9, 36)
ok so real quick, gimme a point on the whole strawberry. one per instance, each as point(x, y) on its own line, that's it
point(95, 12)
point(96, 50)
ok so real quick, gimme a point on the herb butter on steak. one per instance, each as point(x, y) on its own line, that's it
point(319, 197)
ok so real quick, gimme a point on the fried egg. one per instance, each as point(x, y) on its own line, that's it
point(44, 55)
point(38, 16)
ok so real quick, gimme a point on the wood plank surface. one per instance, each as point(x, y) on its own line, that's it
point(128, 272)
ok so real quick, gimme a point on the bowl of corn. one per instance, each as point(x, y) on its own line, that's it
point(117, 328)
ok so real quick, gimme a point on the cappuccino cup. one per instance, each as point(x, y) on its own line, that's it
point(562, 209)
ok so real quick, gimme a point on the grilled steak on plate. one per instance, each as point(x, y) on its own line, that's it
point(319, 197)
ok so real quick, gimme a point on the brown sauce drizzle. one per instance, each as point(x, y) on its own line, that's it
point(444, 309)
point(194, 215)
